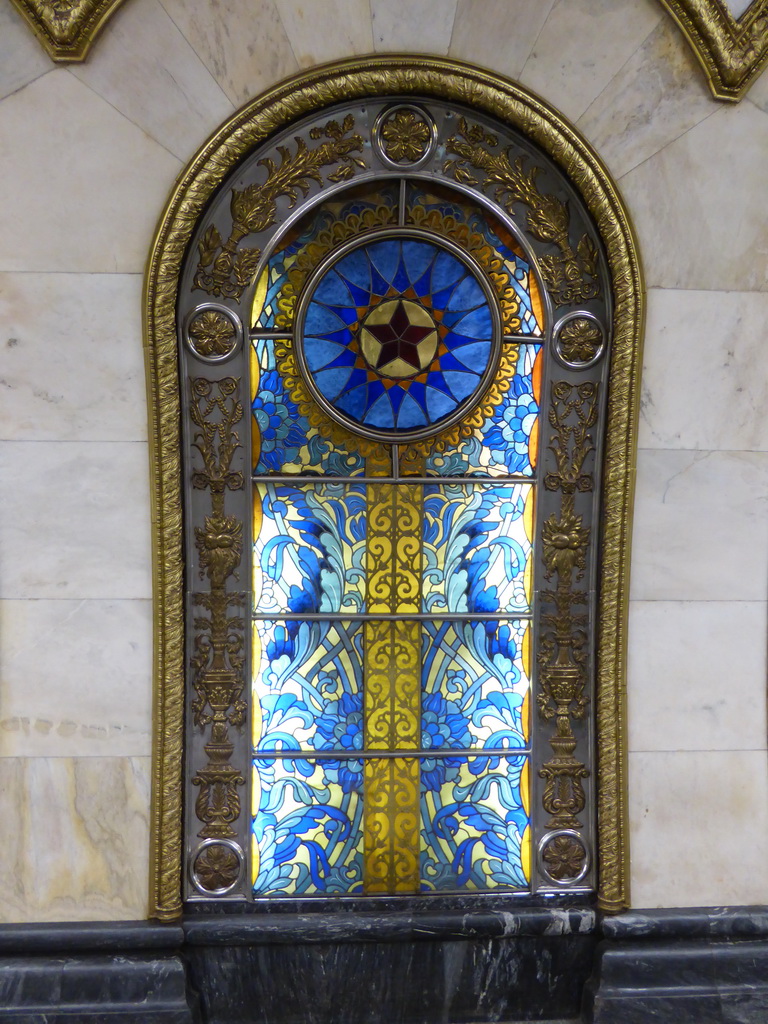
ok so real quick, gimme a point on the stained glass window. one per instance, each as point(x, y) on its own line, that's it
point(395, 341)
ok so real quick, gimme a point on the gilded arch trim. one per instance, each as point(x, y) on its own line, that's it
point(382, 76)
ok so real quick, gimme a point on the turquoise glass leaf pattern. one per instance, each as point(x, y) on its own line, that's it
point(473, 823)
point(308, 687)
point(474, 685)
point(477, 547)
point(309, 551)
point(307, 829)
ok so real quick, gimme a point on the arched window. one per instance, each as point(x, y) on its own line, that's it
point(396, 659)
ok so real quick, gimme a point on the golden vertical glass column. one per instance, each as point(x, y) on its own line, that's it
point(392, 673)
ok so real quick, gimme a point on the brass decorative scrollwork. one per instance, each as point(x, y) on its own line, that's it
point(66, 28)
point(223, 268)
point(562, 647)
point(571, 276)
point(218, 660)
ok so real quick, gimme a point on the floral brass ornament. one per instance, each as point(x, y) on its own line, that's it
point(562, 656)
point(732, 51)
point(564, 857)
point(216, 867)
point(218, 659)
point(66, 28)
point(571, 276)
point(213, 332)
point(405, 135)
point(223, 268)
point(579, 340)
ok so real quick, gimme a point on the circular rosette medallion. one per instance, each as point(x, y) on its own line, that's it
point(398, 335)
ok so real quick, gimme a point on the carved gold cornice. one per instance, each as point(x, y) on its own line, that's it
point(384, 75)
point(66, 28)
point(732, 51)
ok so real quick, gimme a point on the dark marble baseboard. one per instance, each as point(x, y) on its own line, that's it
point(419, 965)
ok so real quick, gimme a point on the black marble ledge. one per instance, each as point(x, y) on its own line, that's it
point(733, 923)
point(91, 936)
point(389, 926)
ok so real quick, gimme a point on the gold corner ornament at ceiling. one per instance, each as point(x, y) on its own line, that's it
point(66, 28)
point(732, 51)
point(397, 75)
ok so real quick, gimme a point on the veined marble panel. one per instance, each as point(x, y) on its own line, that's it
point(699, 828)
point(758, 92)
point(705, 381)
point(145, 68)
point(76, 842)
point(699, 205)
point(696, 675)
point(72, 366)
point(87, 185)
point(699, 526)
point(420, 26)
point(581, 47)
point(76, 678)
point(242, 42)
point(659, 94)
point(74, 520)
point(317, 34)
point(737, 7)
point(498, 34)
point(22, 58)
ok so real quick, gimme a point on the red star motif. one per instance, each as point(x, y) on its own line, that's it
point(399, 338)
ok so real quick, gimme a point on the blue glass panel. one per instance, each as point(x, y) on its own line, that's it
point(284, 441)
point(308, 684)
point(475, 829)
point(474, 685)
point(397, 338)
point(477, 547)
point(307, 830)
point(507, 441)
point(309, 548)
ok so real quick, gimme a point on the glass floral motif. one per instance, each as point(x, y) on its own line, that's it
point(309, 686)
point(474, 825)
point(309, 548)
point(398, 335)
point(506, 443)
point(475, 684)
point(284, 440)
point(477, 547)
point(307, 834)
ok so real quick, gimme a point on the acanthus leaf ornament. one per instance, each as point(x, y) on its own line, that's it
point(572, 275)
point(223, 269)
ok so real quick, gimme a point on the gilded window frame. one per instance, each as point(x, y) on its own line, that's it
point(389, 75)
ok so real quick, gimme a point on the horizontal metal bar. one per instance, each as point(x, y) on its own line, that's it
point(363, 755)
point(257, 333)
point(344, 616)
point(441, 481)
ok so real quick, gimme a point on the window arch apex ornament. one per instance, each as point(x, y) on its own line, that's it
point(199, 275)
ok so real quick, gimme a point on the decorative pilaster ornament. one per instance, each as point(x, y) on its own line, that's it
point(66, 28)
point(218, 659)
point(732, 51)
point(562, 653)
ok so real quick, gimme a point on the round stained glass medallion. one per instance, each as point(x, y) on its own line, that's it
point(398, 334)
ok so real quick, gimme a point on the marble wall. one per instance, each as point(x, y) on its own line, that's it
point(88, 154)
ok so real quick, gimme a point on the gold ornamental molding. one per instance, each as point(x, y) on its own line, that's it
point(732, 51)
point(382, 75)
point(66, 28)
